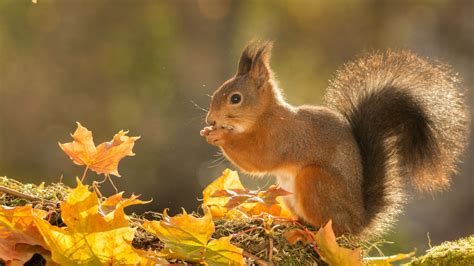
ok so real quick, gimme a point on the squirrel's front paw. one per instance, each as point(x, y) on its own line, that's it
point(205, 131)
point(215, 136)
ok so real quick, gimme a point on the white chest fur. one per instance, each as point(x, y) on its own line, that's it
point(286, 180)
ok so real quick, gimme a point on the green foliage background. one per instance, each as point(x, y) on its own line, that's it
point(139, 65)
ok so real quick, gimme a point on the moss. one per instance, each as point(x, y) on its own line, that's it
point(251, 234)
point(53, 193)
point(459, 252)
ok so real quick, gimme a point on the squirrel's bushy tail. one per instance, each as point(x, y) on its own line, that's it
point(410, 121)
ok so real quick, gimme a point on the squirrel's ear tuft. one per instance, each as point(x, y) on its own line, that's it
point(246, 59)
point(255, 60)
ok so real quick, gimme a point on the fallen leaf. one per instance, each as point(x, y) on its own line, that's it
point(150, 257)
point(222, 252)
point(69, 247)
point(216, 205)
point(331, 252)
point(103, 159)
point(19, 236)
point(226, 196)
point(91, 236)
point(113, 208)
point(237, 197)
point(297, 235)
point(277, 210)
point(26, 253)
point(270, 195)
point(387, 260)
point(188, 238)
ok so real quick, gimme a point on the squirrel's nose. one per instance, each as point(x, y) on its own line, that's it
point(210, 120)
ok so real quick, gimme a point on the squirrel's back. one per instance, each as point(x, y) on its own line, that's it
point(410, 121)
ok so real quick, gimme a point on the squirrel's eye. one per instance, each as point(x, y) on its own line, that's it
point(235, 98)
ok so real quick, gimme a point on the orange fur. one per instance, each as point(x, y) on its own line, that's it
point(313, 185)
point(393, 117)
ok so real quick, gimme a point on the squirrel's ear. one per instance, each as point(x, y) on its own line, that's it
point(260, 69)
point(255, 61)
point(246, 58)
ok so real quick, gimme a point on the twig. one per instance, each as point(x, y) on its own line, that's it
point(18, 194)
point(257, 260)
point(270, 248)
point(245, 231)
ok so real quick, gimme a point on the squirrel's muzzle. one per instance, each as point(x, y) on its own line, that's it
point(210, 119)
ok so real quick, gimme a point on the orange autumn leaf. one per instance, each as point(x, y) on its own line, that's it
point(331, 252)
point(102, 159)
point(328, 248)
point(240, 196)
point(226, 196)
point(216, 205)
point(19, 236)
point(297, 235)
point(113, 208)
point(95, 233)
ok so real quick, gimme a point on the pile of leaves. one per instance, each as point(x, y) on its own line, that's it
point(56, 224)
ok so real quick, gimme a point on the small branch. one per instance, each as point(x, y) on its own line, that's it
point(18, 194)
point(245, 231)
point(257, 260)
point(270, 248)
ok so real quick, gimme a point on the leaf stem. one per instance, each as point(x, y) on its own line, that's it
point(111, 182)
point(84, 174)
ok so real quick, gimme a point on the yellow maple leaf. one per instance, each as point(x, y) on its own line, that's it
point(189, 238)
point(227, 191)
point(92, 236)
point(216, 205)
point(222, 252)
point(19, 236)
point(113, 208)
point(103, 159)
point(331, 252)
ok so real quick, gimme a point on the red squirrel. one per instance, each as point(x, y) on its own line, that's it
point(392, 120)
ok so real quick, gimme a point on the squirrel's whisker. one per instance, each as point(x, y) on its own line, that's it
point(199, 107)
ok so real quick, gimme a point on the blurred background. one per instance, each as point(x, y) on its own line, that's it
point(149, 67)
